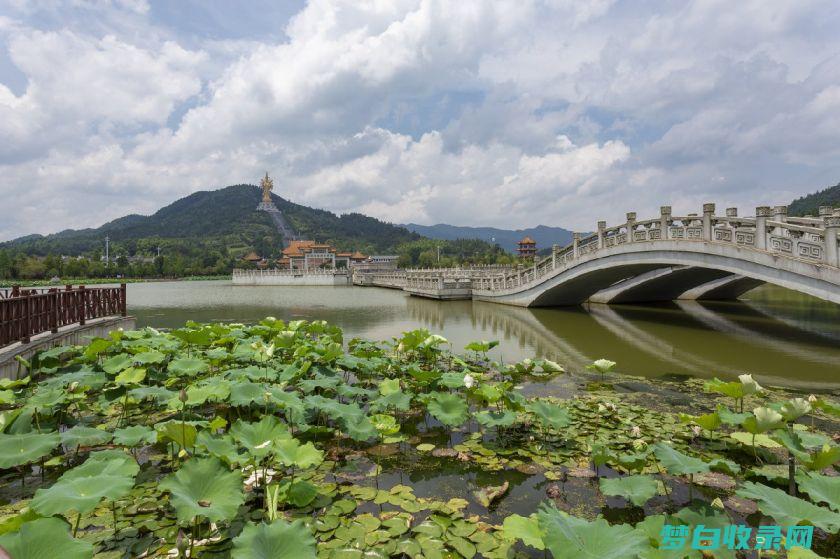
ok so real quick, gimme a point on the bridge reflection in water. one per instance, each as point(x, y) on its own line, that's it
point(783, 337)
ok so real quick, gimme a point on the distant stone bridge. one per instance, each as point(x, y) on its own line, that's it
point(698, 257)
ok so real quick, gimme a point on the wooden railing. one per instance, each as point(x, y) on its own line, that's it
point(27, 312)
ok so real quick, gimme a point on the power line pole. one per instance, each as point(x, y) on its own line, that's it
point(107, 256)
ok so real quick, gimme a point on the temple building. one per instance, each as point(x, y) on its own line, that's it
point(310, 255)
point(527, 248)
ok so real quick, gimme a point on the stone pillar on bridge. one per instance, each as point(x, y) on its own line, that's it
point(779, 214)
point(664, 221)
point(602, 226)
point(555, 248)
point(708, 214)
point(631, 226)
point(576, 244)
point(832, 231)
point(761, 215)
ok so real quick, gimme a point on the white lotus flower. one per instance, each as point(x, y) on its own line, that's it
point(697, 430)
point(635, 431)
point(812, 398)
point(469, 381)
point(750, 385)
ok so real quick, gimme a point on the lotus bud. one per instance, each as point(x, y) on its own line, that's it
point(182, 395)
point(697, 430)
point(718, 504)
point(635, 431)
point(182, 543)
point(812, 399)
point(469, 381)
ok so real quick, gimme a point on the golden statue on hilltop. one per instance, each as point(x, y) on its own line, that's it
point(267, 185)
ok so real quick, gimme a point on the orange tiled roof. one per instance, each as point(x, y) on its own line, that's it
point(294, 248)
point(527, 241)
point(252, 257)
point(358, 256)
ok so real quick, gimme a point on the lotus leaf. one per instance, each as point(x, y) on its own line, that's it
point(821, 488)
point(135, 435)
point(203, 487)
point(527, 529)
point(495, 419)
point(150, 357)
point(275, 540)
point(258, 437)
point(568, 537)
point(677, 463)
point(551, 416)
point(636, 489)
point(45, 538)
point(449, 409)
point(81, 493)
point(187, 367)
point(182, 434)
point(85, 436)
point(19, 449)
point(788, 510)
point(117, 363)
point(290, 452)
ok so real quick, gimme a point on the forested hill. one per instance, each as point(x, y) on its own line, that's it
point(810, 204)
point(225, 220)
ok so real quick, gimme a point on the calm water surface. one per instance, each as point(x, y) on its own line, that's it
point(779, 336)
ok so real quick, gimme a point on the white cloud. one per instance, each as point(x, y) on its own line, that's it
point(504, 113)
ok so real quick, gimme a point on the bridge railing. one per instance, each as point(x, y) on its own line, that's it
point(25, 313)
point(812, 239)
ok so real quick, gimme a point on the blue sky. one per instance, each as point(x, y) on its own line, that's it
point(500, 113)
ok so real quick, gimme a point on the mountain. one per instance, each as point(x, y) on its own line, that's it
point(506, 238)
point(223, 220)
point(810, 204)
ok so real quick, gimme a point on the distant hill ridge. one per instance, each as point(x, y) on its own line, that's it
point(544, 235)
point(227, 216)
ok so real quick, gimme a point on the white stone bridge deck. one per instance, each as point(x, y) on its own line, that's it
point(670, 257)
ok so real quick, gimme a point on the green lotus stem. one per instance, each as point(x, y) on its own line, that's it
point(76, 526)
point(114, 514)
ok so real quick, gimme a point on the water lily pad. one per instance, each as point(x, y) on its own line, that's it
point(425, 447)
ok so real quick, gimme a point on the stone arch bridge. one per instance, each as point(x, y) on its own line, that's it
point(695, 256)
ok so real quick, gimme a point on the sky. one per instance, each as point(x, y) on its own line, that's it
point(505, 113)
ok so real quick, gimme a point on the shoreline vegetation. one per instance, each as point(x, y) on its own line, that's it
point(5, 284)
point(285, 439)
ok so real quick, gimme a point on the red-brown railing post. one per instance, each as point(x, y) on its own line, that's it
point(55, 302)
point(26, 318)
point(15, 291)
point(82, 304)
point(123, 309)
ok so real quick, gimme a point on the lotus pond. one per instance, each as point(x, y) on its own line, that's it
point(284, 440)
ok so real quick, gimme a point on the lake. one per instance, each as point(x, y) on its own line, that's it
point(779, 336)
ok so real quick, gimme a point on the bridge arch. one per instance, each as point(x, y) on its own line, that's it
point(666, 258)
